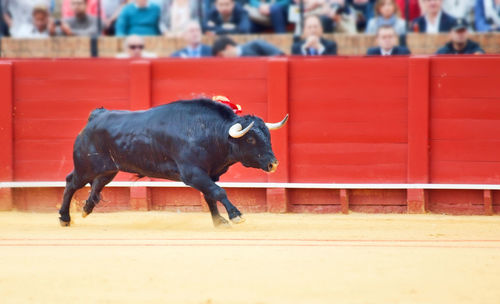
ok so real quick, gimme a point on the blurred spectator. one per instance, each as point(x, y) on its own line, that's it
point(139, 17)
point(435, 20)
point(268, 14)
point(387, 13)
point(459, 42)
point(67, 8)
point(487, 15)
point(18, 16)
point(227, 17)
point(112, 9)
point(133, 46)
point(387, 41)
point(312, 42)
point(339, 17)
point(194, 48)
point(176, 14)
point(226, 47)
point(81, 24)
point(413, 9)
point(42, 25)
point(459, 8)
point(364, 12)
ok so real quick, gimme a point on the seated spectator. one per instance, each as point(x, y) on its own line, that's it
point(364, 12)
point(139, 18)
point(459, 42)
point(91, 9)
point(194, 48)
point(81, 24)
point(312, 42)
point(459, 9)
point(266, 14)
point(17, 14)
point(176, 14)
point(226, 47)
point(386, 13)
point(413, 9)
point(487, 15)
point(339, 17)
point(435, 20)
point(387, 41)
point(41, 27)
point(134, 48)
point(227, 17)
point(112, 9)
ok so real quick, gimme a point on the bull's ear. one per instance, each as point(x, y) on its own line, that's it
point(236, 130)
point(276, 126)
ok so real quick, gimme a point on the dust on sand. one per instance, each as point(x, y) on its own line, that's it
point(162, 257)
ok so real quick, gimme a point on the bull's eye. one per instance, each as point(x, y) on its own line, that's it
point(251, 140)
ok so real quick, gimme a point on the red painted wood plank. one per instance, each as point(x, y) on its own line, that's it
point(346, 87)
point(473, 66)
point(355, 154)
point(466, 150)
point(239, 173)
point(360, 132)
point(465, 87)
point(376, 173)
point(221, 69)
point(42, 150)
point(6, 134)
point(48, 170)
point(314, 197)
point(53, 129)
point(478, 129)
point(378, 197)
point(465, 172)
point(350, 109)
point(350, 66)
point(66, 109)
point(465, 108)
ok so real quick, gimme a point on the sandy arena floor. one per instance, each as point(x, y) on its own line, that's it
point(160, 257)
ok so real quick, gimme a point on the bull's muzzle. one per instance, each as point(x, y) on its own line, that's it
point(272, 167)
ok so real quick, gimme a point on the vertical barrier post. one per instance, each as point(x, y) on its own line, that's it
point(140, 99)
point(344, 201)
point(488, 202)
point(418, 131)
point(277, 108)
point(6, 134)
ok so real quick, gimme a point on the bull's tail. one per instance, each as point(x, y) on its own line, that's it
point(96, 112)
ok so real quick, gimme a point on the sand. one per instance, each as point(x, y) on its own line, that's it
point(164, 257)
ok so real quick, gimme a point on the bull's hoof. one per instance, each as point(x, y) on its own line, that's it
point(64, 224)
point(220, 222)
point(238, 220)
point(84, 213)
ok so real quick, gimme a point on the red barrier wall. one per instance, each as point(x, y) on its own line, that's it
point(353, 120)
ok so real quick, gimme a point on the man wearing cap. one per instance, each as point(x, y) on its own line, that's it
point(459, 42)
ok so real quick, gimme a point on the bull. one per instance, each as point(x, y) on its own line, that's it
point(193, 141)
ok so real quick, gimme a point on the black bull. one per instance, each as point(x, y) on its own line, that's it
point(193, 141)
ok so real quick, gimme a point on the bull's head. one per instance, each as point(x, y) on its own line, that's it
point(253, 143)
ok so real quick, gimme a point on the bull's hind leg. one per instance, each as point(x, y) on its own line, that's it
point(95, 193)
point(72, 184)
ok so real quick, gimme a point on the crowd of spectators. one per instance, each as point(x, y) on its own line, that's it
point(308, 19)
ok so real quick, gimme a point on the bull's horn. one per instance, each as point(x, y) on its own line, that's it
point(236, 130)
point(276, 126)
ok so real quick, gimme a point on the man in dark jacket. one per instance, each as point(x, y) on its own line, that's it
point(227, 17)
point(313, 43)
point(387, 41)
point(459, 42)
point(226, 47)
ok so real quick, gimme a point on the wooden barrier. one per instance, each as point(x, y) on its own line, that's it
point(353, 121)
point(58, 47)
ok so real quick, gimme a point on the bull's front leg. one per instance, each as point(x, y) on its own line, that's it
point(199, 180)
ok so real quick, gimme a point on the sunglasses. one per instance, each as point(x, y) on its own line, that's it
point(136, 46)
